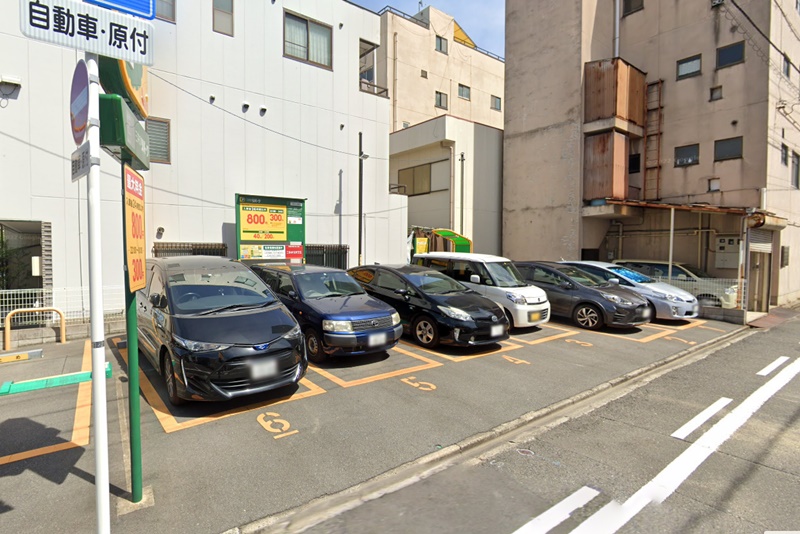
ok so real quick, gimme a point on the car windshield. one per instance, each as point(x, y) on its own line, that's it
point(324, 285)
point(633, 276)
point(227, 288)
point(694, 270)
point(504, 274)
point(435, 283)
point(582, 277)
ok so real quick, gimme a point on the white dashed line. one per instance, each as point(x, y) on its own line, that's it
point(701, 418)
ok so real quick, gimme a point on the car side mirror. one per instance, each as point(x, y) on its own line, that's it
point(681, 277)
point(403, 293)
point(292, 294)
point(613, 281)
point(475, 279)
point(155, 300)
point(565, 285)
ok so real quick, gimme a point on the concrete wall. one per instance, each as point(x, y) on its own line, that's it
point(305, 143)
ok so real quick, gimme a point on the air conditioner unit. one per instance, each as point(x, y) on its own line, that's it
point(715, 3)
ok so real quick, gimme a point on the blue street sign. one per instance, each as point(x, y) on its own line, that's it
point(145, 9)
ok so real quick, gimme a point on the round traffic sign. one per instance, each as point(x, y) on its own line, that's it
point(79, 102)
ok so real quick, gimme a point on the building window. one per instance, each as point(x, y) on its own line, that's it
point(158, 130)
point(307, 40)
point(496, 103)
point(165, 10)
point(787, 66)
point(423, 73)
point(441, 100)
point(687, 155)
point(629, 6)
point(716, 92)
point(728, 149)
point(634, 163)
point(795, 170)
point(416, 180)
point(730, 55)
point(441, 44)
point(784, 155)
point(689, 67)
point(223, 17)
point(463, 91)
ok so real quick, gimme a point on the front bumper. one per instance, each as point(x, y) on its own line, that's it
point(526, 315)
point(627, 316)
point(667, 309)
point(359, 342)
point(471, 333)
point(225, 375)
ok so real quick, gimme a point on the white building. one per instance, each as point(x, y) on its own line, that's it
point(260, 98)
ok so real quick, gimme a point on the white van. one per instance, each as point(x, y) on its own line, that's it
point(496, 278)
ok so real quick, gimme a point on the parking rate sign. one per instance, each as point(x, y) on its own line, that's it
point(134, 229)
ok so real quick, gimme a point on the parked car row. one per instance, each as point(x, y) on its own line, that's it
point(216, 329)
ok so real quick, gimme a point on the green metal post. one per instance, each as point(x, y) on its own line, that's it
point(131, 331)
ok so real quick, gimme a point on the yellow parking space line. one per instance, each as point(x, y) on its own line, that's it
point(658, 335)
point(80, 424)
point(545, 339)
point(506, 346)
point(429, 364)
point(170, 424)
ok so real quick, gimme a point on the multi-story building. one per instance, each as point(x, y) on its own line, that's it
point(245, 96)
point(650, 128)
point(446, 97)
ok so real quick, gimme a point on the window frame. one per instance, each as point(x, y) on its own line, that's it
point(698, 72)
point(711, 93)
point(795, 176)
point(468, 91)
point(308, 21)
point(215, 9)
point(629, 10)
point(638, 167)
point(784, 155)
point(163, 17)
point(499, 100)
point(787, 67)
point(444, 49)
point(696, 161)
point(741, 152)
point(721, 48)
point(437, 101)
point(168, 123)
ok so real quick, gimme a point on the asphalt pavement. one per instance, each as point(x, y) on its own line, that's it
point(213, 467)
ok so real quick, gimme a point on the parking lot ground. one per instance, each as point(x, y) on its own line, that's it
point(350, 420)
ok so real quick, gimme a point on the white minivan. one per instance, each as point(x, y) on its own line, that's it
point(496, 278)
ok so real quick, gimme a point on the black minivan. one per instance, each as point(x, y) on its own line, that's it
point(214, 330)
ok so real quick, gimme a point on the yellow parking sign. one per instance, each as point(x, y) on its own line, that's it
point(134, 229)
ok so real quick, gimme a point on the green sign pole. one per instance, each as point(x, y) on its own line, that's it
point(131, 332)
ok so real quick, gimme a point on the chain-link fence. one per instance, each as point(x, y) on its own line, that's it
point(716, 292)
point(74, 302)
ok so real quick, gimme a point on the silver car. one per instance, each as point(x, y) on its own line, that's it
point(668, 301)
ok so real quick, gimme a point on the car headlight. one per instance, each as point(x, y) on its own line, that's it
point(516, 299)
point(198, 346)
point(616, 299)
point(731, 290)
point(455, 313)
point(395, 319)
point(668, 296)
point(294, 333)
point(337, 326)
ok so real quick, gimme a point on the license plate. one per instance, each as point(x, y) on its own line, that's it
point(497, 330)
point(534, 316)
point(263, 369)
point(376, 339)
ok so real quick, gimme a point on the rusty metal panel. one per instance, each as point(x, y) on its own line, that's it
point(600, 90)
point(605, 166)
point(636, 96)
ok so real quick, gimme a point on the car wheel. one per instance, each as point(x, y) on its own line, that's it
point(588, 316)
point(169, 379)
point(425, 331)
point(510, 319)
point(314, 347)
point(709, 301)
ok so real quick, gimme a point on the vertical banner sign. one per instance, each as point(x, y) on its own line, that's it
point(270, 228)
point(134, 228)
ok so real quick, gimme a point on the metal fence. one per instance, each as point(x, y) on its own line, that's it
point(168, 250)
point(718, 292)
point(74, 302)
point(327, 255)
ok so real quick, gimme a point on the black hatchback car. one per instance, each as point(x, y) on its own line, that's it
point(433, 307)
point(590, 301)
point(337, 316)
point(215, 331)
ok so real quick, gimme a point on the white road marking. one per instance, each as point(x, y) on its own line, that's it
point(614, 515)
point(701, 418)
point(771, 367)
point(559, 513)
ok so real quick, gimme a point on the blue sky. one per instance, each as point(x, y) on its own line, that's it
point(483, 20)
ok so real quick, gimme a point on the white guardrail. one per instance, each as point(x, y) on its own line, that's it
point(73, 301)
point(719, 292)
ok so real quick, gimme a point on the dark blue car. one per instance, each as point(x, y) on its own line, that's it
point(337, 316)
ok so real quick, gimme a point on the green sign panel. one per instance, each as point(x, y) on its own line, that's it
point(121, 135)
point(270, 229)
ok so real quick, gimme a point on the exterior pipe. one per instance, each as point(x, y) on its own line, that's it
point(616, 27)
point(671, 239)
point(394, 85)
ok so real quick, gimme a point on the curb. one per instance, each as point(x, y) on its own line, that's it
point(322, 508)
